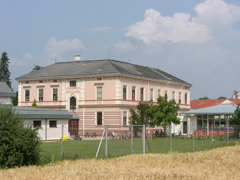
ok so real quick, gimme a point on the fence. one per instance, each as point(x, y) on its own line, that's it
point(120, 144)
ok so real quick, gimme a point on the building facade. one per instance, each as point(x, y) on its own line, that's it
point(99, 92)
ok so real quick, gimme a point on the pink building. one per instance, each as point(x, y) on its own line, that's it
point(99, 92)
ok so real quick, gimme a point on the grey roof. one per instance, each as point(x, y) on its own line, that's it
point(226, 107)
point(5, 91)
point(30, 113)
point(99, 67)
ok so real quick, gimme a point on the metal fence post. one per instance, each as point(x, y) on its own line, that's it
point(131, 139)
point(227, 131)
point(193, 142)
point(212, 135)
point(62, 142)
point(143, 139)
point(106, 141)
point(171, 138)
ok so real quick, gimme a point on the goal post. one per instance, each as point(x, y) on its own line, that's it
point(124, 141)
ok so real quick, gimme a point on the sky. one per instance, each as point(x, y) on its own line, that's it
point(197, 41)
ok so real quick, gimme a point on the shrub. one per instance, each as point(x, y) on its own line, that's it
point(19, 143)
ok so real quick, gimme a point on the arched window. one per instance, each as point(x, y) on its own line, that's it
point(72, 104)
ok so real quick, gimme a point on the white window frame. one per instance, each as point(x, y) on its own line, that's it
point(28, 95)
point(72, 81)
point(99, 98)
point(134, 88)
point(142, 94)
point(126, 97)
point(166, 93)
point(97, 118)
point(151, 94)
point(173, 95)
point(180, 98)
point(53, 94)
point(42, 94)
point(125, 113)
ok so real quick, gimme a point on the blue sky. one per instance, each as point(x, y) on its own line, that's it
point(195, 40)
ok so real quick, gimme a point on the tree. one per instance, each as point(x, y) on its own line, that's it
point(36, 67)
point(4, 72)
point(235, 120)
point(15, 100)
point(34, 104)
point(222, 97)
point(165, 112)
point(204, 98)
point(20, 144)
point(141, 116)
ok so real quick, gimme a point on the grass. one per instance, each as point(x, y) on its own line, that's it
point(219, 163)
point(51, 151)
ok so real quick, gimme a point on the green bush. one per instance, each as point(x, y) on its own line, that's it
point(19, 143)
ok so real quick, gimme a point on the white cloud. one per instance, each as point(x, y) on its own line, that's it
point(99, 29)
point(157, 28)
point(217, 12)
point(59, 47)
point(28, 55)
point(213, 16)
point(96, 29)
point(123, 47)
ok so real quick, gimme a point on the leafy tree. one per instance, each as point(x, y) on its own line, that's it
point(20, 144)
point(34, 104)
point(165, 112)
point(204, 98)
point(15, 100)
point(141, 116)
point(36, 67)
point(4, 72)
point(235, 120)
point(222, 97)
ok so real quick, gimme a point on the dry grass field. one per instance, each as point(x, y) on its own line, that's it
point(219, 163)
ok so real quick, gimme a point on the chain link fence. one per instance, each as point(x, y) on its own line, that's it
point(124, 141)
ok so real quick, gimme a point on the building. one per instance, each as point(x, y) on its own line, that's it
point(213, 115)
point(99, 91)
point(6, 94)
point(49, 121)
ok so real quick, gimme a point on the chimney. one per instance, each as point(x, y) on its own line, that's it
point(77, 57)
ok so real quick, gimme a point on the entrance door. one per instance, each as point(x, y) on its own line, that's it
point(73, 126)
point(184, 127)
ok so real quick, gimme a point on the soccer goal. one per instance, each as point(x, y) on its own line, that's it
point(122, 140)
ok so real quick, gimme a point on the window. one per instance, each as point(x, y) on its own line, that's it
point(40, 81)
point(99, 118)
point(133, 93)
point(151, 94)
point(53, 123)
point(99, 78)
point(142, 94)
point(72, 83)
point(166, 94)
point(99, 92)
point(125, 92)
point(55, 94)
point(173, 95)
point(36, 124)
point(40, 94)
point(179, 98)
point(27, 95)
point(72, 104)
point(27, 82)
point(124, 117)
point(159, 92)
point(185, 98)
point(54, 80)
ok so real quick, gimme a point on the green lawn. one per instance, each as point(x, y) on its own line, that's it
point(88, 149)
